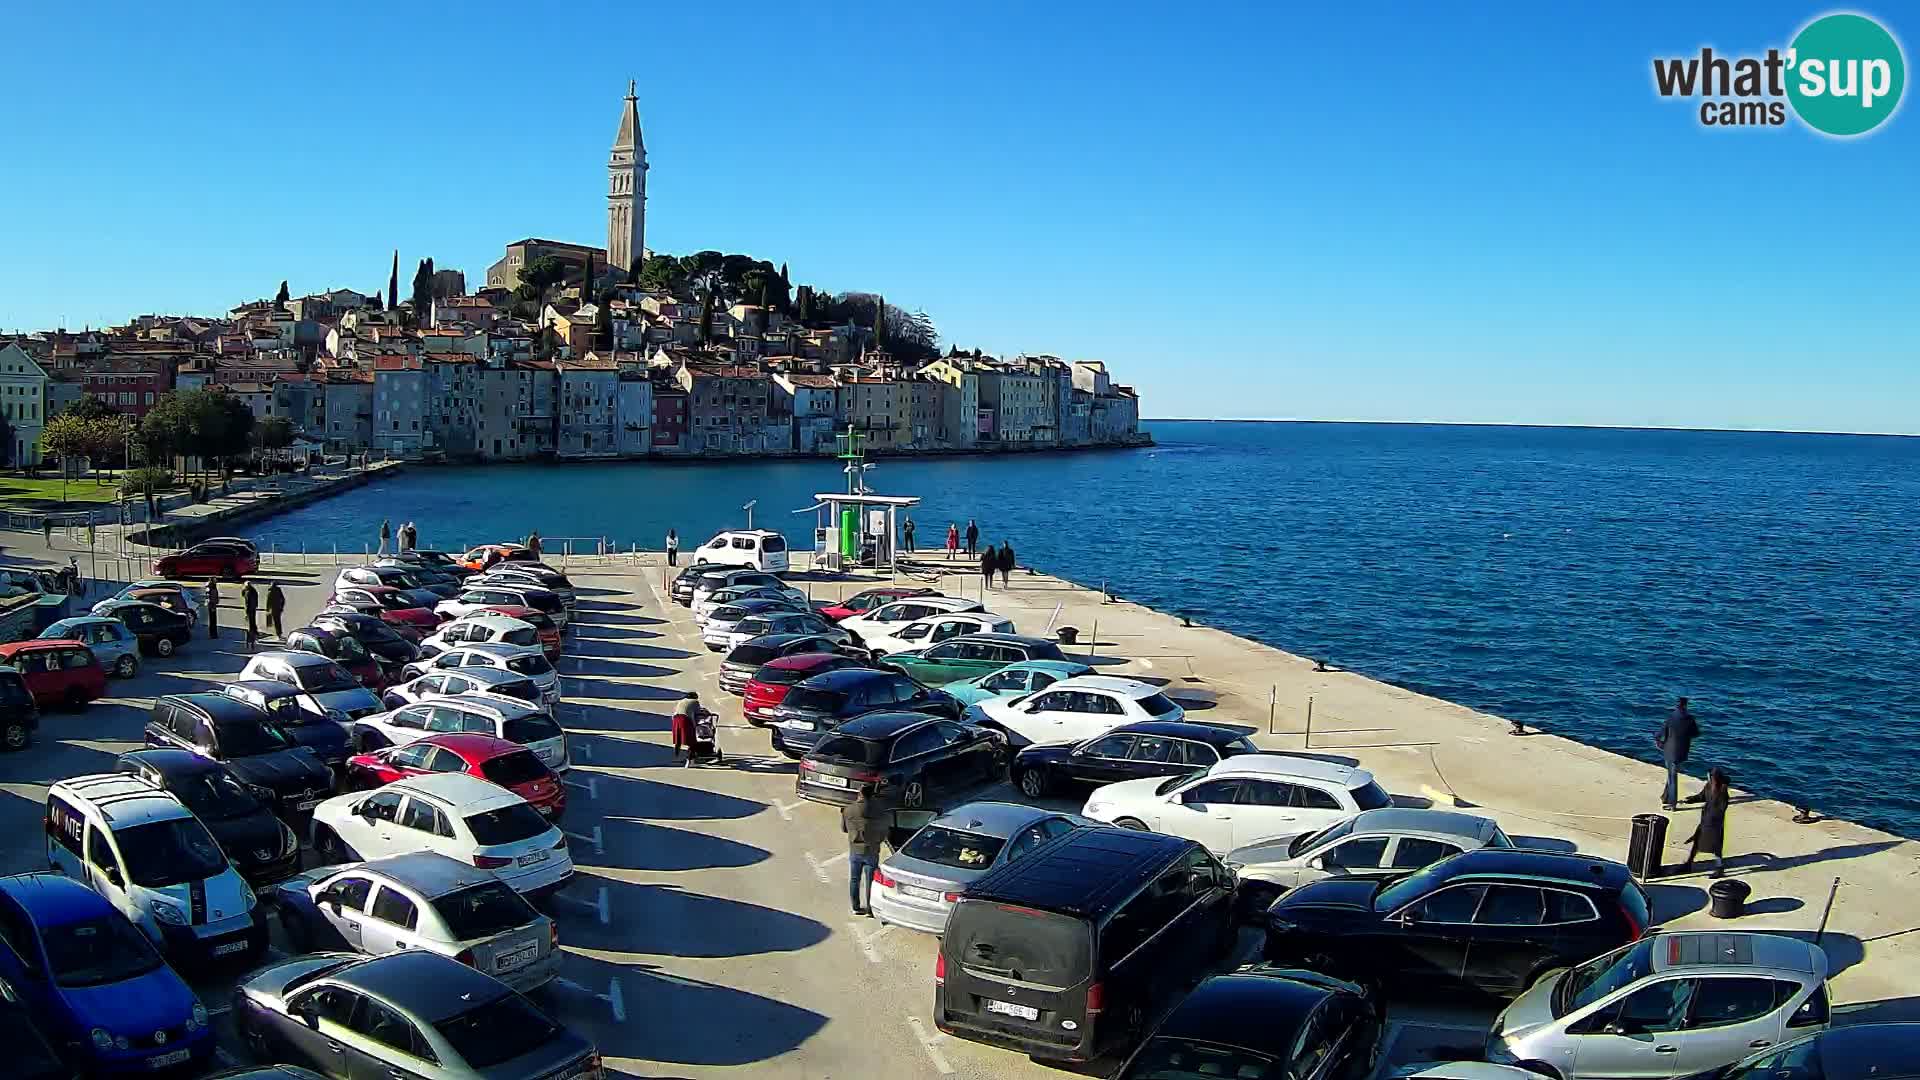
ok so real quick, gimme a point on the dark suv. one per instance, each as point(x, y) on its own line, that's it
point(908, 756)
point(1491, 920)
point(230, 730)
point(1069, 952)
point(820, 703)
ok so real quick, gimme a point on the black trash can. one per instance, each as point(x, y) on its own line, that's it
point(1647, 847)
point(1069, 634)
point(1728, 898)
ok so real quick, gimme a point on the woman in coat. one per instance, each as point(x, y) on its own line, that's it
point(1711, 834)
point(953, 539)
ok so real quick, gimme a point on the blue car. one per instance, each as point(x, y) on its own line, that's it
point(110, 640)
point(92, 983)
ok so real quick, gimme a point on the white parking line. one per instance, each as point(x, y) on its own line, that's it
point(598, 905)
point(583, 751)
point(929, 1041)
point(786, 809)
point(865, 941)
point(614, 997)
point(591, 787)
point(599, 848)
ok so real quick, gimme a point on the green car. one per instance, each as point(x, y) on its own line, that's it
point(1014, 680)
point(970, 656)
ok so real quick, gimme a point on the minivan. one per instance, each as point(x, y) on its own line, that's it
point(1071, 953)
point(761, 549)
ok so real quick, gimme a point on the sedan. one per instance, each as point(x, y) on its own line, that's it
point(304, 1011)
point(158, 630)
point(109, 639)
point(769, 684)
point(525, 661)
point(763, 623)
point(262, 847)
point(209, 559)
point(908, 756)
point(445, 684)
point(488, 757)
point(1130, 752)
point(1077, 708)
point(718, 629)
point(1266, 1021)
point(919, 883)
point(787, 599)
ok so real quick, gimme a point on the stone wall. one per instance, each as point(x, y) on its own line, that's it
point(16, 618)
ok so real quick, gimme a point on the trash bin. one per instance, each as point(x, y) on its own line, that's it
point(1069, 634)
point(1647, 847)
point(1728, 898)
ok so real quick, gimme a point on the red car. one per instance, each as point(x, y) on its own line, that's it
point(498, 761)
point(212, 558)
point(58, 671)
point(388, 604)
point(549, 631)
point(770, 684)
point(866, 600)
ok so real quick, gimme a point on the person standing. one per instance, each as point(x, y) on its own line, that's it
point(1711, 833)
point(533, 544)
point(973, 537)
point(1006, 564)
point(673, 547)
point(250, 600)
point(276, 607)
point(408, 534)
point(906, 532)
point(213, 608)
point(1675, 741)
point(953, 540)
point(989, 562)
point(46, 529)
point(684, 714)
point(386, 534)
point(862, 822)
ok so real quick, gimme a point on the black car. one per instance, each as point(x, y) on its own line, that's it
point(261, 846)
point(1266, 1021)
point(908, 757)
point(1129, 752)
point(1067, 952)
point(256, 749)
point(29, 1055)
point(436, 560)
point(748, 657)
point(386, 645)
point(159, 630)
point(1491, 920)
point(1886, 1051)
point(329, 739)
point(19, 716)
point(683, 582)
point(820, 703)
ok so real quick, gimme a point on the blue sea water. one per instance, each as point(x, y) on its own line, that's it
point(1575, 579)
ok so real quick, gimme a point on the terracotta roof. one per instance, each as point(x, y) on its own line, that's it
point(248, 388)
point(813, 380)
point(450, 358)
point(589, 362)
point(400, 362)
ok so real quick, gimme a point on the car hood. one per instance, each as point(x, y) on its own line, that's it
point(138, 1006)
point(1273, 851)
point(1533, 1008)
point(323, 737)
point(358, 699)
point(968, 694)
point(1031, 755)
point(292, 769)
point(1348, 893)
point(402, 651)
point(1127, 792)
point(245, 837)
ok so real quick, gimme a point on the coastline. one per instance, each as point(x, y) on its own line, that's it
point(1144, 441)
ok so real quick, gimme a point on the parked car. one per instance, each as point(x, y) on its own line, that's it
point(1067, 952)
point(1885, 1051)
point(1465, 1070)
point(919, 883)
point(717, 631)
point(505, 718)
point(1243, 800)
point(715, 578)
point(539, 574)
point(436, 560)
point(391, 606)
point(761, 549)
point(421, 901)
point(325, 737)
point(1077, 708)
point(180, 599)
point(908, 756)
point(1372, 844)
point(487, 555)
point(343, 649)
point(934, 629)
point(746, 659)
point(92, 983)
point(195, 594)
point(460, 816)
point(210, 558)
point(1261, 1020)
point(525, 661)
point(157, 864)
point(970, 656)
point(894, 614)
point(109, 640)
point(770, 682)
point(58, 671)
point(327, 689)
point(387, 644)
point(1492, 920)
point(312, 1009)
point(680, 590)
point(234, 541)
point(446, 684)
point(479, 627)
point(757, 624)
point(258, 751)
point(19, 716)
point(159, 631)
point(544, 627)
point(239, 815)
point(791, 599)
point(866, 600)
point(432, 578)
point(390, 577)
point(1151, 748)
point(479, 597)
point(489, 757)
point(29, 1055)
point(821, 702)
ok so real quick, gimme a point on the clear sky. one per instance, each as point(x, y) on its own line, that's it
point(1399, 212)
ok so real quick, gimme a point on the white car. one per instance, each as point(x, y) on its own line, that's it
point(727, 577)
point(892, 616)
point(1466, 1070)
point(1243, 800)
point(770, 622)
point(935, 629)
point(460, 816)
point(525, 660)
point(475, 598)
point(488, 681)
point(1373, 843)
point(721, 621)
point(502, 718)
point(762, 549)
point(393, 577)
point(1077, 708)
point(485, 626)
point(326, 688)
point(705, 606)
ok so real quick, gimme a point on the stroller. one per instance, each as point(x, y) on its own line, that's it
point(705, 745)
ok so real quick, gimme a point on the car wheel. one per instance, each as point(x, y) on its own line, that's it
point(16, 736)
point(1131, 823)
point(127, 666)
point(163, 646)
point(915, 795)
point(1033, 783)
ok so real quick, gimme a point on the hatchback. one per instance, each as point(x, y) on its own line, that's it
point(1674, 1002)
point(515, 721)
point(158, 630)
point(920, 882)
point(908, 756)
point(207, 559)
point(195, 594)
point(390, 606)
point(488, 757)
point(770, 682)
point(1245, 799)
point(789, 599)
point(327, 689)
point(174, 598)
point(1373, 843)
point(1078, 708)
point(343, 649)
point(19, 716)
point(971, 656)
point(1268, 1022)
point(480, 627)
point(822, 702)
point(544, 627)
point(1015, 680)
point(460, 816)
point(1886, 1051)
point(525, 661)
point(394, 577)
point(1129, 752)
point(717, 630)
point(477, 598)
point(58, 671)
point(867, 599)
point(725, 577)
point(111, 642)
point(746, 659)
point(387, 644)
point(443, 684)
point(762, 623)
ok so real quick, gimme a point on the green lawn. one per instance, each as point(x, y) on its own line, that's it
point(43, 493)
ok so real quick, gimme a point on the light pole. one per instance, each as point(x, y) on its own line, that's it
point(749, 509)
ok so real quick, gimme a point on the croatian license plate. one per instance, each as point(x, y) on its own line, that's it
point(230, 948)
point(306, 804)
point(830, 781)
point(169, 1059)
point(536, 857)
point(1008, 1008)
point(919, 893)
point(517, 958)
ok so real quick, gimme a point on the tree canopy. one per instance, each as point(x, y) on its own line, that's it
point(208, 423)
point(88, 407)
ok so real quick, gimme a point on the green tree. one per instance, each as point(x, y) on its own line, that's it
point(879, 322)
point(603, 322)
point(393, 282)
point(280, 298)
point(210, 424)
point(88, 407)
point(540, 275)
point(273, 433)
point(804, 305)
point(150, 481)
point(423, 291)
point(68, 438)
point(706, 314)
point(663, 273)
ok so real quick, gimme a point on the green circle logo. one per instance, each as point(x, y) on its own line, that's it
point(1845, 74)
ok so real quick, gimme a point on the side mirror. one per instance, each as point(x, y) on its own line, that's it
point(1318, 862)
point(1409, 917)
point(311, 1019)
point(113, 874)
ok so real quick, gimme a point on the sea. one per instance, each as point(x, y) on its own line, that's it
point(1575, 579)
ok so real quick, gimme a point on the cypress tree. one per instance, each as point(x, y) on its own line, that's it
point(393, 282)
point(280, 298)
point(706, 315)
point(879, 322)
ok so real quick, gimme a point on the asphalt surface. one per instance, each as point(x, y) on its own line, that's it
point(708, 927)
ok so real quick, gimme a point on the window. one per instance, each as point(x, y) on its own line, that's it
point(1264, 793)
point(349, 892)
point(1511, 905)
point(423, 816)
point(1312, 798)
point(1217, 792)
point(1454, 905)
point(383, 1025)
point(1812, 1011)
point(1364, 853)
point(413, 717)
point(1157, 749)
point(1660, 1007)
point(411, 757)
point(1566, 907)
point(1194, 753)
point(1111, 746)
point(1416, 852)
point(392, 907)
point(100, 853)
point(1005, 680)
point(445, 761)
point(333, 1003)
point(384, 806)
point(916, 742)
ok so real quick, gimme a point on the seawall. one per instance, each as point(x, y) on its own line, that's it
point(221, 513)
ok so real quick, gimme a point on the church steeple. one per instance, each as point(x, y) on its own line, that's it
point(627, 188)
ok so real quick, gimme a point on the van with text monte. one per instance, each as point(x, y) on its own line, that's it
point(760, 549)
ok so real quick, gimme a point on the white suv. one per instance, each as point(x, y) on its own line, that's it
point(501, 718)
point(460, 816)
point(761, 549)
point(526, 661)
point(892, 616)
point(473, 629)
point(1077, 708)
point(1243, 800)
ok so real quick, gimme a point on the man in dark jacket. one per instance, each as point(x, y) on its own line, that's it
point(213, 607)
point(250, 599)
point(865, 823)
point(989, 562)
point(1675, 741)
point(276, 607)
point(973, 537)
point(1006, 564)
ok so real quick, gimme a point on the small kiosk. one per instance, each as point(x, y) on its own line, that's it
point(857, 527)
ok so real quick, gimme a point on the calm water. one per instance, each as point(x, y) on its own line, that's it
point(1573, 579)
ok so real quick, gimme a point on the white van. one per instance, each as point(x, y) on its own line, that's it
point(760, 549)
point(143, 850)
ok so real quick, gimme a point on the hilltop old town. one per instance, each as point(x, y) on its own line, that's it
point(571, 351)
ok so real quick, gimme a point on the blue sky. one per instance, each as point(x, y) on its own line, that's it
point(1402, 212)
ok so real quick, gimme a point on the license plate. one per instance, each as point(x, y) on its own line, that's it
point(306, 804)
point(169, 1059)
point(1008, 1008)
point(830, 781)
point(230, 948)
point(517, 958)
point(797, 725)
point(536, 857)
point(919, 893)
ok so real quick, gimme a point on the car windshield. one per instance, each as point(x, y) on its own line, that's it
point(97, 951)
point(951, 847)
point(1406, 890)
point(163, 853)
point(373, 630)
point(393, 601)
point(846, 748)
point(246, 740)
point(752, 654)
point(1601, 976)
point(1324, 836)
point(507, 825)
point(1172, 782)
point(1370, 796)
point(216, 796)
point(1168, 1058)
point(483, 910)
point(1241, 745)
point(754, 626)
point(500, 1030)
point(1158, 704)
point(1018, 943)
point(532, 664)
point(521, 635)
point(324, 678)
point(522, 767)
point(522, 689)
point(726, 613)
point(814, 700)
point(775, 676)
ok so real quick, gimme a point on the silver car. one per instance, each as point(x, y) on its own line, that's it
point(421, 900)
point(919, 883)
point(718, 630)
point(1372, 843)
point(526, 660)
point(1666, 1005)
point(475, 680)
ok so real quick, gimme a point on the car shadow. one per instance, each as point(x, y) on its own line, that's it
point(579, 667)
point(591, 614)
point(1843, 950)
point(666, 920)
point(654, 800)
point(1903, 1010)
point(600, 634)
point(671, 1018)
point(628, 843)
point(1670, 902)
point(606, 689)
point(1545, 843)
point(611, 752)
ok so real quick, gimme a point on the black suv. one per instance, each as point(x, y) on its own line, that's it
point(19, 716)
point(386, 645)
point(1129, 752)
point(1068, 952)
point(230, 730)
point(904, 756)
point(263, 848)
point(1491, 920)
point(819, 704)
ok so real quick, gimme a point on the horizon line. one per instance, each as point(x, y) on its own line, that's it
point(1527, 424)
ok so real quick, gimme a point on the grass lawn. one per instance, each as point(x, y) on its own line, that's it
point(43, 493)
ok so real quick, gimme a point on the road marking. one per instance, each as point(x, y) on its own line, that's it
point(614, 997)
point(591, 787)
point(599, 847)
point(786, 809)
point(866, 941)
point(929, 1042)
point(819, 869)
point(584, 750)
point(597, 905)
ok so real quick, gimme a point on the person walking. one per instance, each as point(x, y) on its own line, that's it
point(408, 536)
point(213, 608)
point(1711, 833)
point(989, 562)
point(250, 600)
point(1675, 741)
point(906, 533)
point(1006, 564)
point(276, 607)
point(533, 544)
point(386, 534)
point(973, 537)
point(864, 825)
point(46, 529)
point(673, 548)
point(953, 540)
point(684, 714)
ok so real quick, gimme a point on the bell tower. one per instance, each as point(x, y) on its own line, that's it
point(627, 189)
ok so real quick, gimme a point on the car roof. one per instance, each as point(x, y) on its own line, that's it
point(498, 648)
point(1886, 1051)
point(428, 873)
point(219, 707)
point(952, 604)
point(468, 792)
point(490, 676)
point(1708, 948)
point(1257, 1008)
point(431, 986)
point(83, 620)
point(1581, 871)
point(881, 724)
point(1410, 819)
point(473, 746)
point(39, 645)
point(1283, 765)
point(997, 638)
point(1132, 688)
point(989, 818)
point(122, 799)
point(293, 659)
point(501, 707)
point(54, 899)
point(268, 689)
point(845, 678)
point(1197, 730)
point(805, 661)
point(489, 618)
point(171, 762)
point(1085, 872)
point(741, 532)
